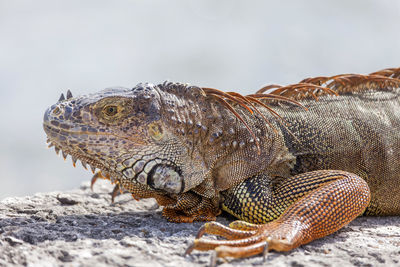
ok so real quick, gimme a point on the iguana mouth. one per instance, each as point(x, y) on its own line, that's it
point(55, 140)
point(85, 160)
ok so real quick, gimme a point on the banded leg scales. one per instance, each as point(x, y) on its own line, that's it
point(294, 212)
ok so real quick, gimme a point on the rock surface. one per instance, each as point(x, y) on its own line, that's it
point(82, 228)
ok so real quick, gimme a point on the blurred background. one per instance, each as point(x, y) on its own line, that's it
point(49, 46)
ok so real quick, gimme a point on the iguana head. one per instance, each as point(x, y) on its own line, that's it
point(126, 133)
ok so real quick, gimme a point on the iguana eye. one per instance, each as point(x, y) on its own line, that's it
point(110, 110)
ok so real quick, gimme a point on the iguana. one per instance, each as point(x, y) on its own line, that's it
point(293, 165)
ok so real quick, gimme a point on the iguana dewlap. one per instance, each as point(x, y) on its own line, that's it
point(293, 165)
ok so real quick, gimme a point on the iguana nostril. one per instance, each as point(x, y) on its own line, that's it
point(56, 111)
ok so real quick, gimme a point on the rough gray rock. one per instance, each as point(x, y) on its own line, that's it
point(82, 228)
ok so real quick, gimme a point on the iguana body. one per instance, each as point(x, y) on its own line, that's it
point(310, 157)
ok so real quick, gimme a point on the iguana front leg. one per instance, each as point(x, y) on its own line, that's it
point(314, 204)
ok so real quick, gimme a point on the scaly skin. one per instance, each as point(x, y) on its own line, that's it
point(296, 164)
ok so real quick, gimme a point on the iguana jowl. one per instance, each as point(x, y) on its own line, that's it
point(293, 165)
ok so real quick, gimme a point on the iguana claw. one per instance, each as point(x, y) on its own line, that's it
point(239, 243)
point(115, 192)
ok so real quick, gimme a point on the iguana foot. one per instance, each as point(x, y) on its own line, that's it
point(337, 198)
point(243, 239)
